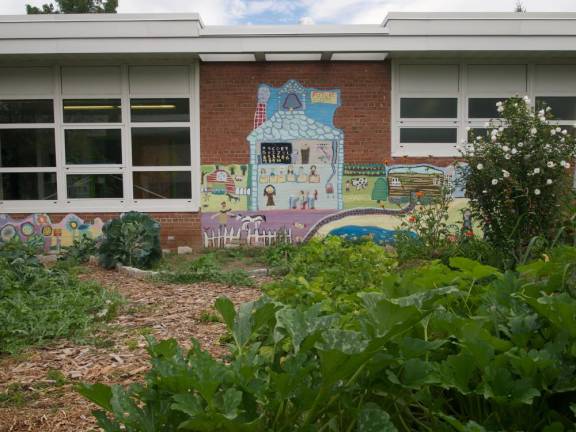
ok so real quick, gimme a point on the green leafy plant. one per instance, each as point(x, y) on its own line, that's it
point(132, 240)
point(517, 177)
point(460, 346)
point(205, 269)
point(80, 251)
point(38, 304)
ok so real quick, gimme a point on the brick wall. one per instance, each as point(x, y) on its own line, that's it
point(176, 229)
point(228, 101)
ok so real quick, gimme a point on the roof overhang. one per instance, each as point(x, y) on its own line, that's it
point(186, 35)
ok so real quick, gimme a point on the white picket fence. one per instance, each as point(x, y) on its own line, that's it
point(228, 237)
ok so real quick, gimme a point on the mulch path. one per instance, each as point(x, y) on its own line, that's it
point(116, 355)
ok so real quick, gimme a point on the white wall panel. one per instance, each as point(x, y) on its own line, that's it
point(160, 80)
point(555, 78)
point(97, 80)
point(31, 81)
point(499, 79)
point(428, 78)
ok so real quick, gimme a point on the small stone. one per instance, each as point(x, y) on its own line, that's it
point(184, 250)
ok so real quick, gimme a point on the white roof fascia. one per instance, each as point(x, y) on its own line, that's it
point(186, 34)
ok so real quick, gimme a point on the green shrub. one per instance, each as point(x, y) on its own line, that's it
point(518, 177)
point(132, 240)
point(80, 251)
point(23, 252)
point(38, 304)
point(441, 348)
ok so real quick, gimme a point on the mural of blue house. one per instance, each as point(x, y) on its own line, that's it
point(296, 153)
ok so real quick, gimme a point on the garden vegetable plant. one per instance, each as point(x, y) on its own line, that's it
point(436, 347)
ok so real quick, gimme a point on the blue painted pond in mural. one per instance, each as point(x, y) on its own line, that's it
point(356, 233)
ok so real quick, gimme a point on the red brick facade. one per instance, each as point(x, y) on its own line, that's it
point(228, 102)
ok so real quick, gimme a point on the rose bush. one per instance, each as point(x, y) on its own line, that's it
point(518, 176)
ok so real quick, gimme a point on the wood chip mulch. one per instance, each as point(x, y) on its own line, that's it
point(117, 354)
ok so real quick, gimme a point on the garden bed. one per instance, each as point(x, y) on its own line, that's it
point(36, 386)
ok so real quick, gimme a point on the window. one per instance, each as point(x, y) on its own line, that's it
point(28, 186)
point(93, 146)
point(160, 110)
point(428, 108)
point(95, 186)
point(483, 108)
point(92, 111)
point(162, 185)
point(27, 111)
point(563, 107)
point(26, 148)
point(428, 135)
point(161, 146)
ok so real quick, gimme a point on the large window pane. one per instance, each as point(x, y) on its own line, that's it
point(27, 111)
point(93, 146)
point(92, 111)
point(428, 135)
point(95, 186)
point(162, 185)
point(483, 107)
point(27, 148)
point(28, 186)
point(429, 108)
point(563, 108)
point(161, 146)
point(160, 110)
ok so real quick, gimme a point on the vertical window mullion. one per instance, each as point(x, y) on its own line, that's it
point(127, 139)
point(59, 137)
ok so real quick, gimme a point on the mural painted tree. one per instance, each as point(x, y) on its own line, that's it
point(380, 191)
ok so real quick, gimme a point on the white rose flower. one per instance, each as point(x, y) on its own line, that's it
point(468, 129)
point(548, 109)
point(505, 173)
point(533, 131)
point(513, 151)
point(550, 164)
point(526, 100)
point(493, 138)
point(520, 144)
point(479, 167)
point(566, 165)
point(536, 170)
point(558, 129)
point(507, 156)
point(494, 182)
point(499, 104)
point(501, 129)
point(536, 191)
point(564, 132)
point(562, 140)
point(487, 124)
point(541, 112)
point(562, 163)
point(553, 132)
point(549, 181)
point(505, 148)
point(484, 191)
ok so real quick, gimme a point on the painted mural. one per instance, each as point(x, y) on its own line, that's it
point(297, 184)
point(56, 235)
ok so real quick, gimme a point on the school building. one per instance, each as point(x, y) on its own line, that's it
point(229, 135)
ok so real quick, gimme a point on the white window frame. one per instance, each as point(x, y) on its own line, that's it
point(127, 203)
point(463, 122)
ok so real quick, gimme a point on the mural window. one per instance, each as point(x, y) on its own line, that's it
point(28, 186)
point(92, 111)
point(93, 146)
point(162, 185)
point(95, 186)
point(26, 148)
point(160, 110)
point(27, 111)
point(423, 135)
point(161, 146)
point(426, 107)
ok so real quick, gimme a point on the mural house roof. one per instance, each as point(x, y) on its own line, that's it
point(291, 125)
